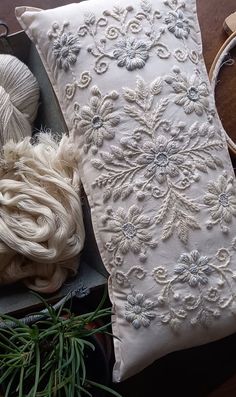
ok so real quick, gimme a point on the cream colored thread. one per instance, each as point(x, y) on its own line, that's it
point(19, 95)
point(41, 222)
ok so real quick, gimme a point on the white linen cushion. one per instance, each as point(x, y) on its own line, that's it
point(132, 85)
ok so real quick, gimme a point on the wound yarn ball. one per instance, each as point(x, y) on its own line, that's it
point(19, 97)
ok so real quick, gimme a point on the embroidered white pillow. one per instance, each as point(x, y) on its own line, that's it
point(135, 95)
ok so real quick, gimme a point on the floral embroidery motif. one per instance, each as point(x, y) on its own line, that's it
point(178, 24)
point(155, 159)
point(130, 233)
point(66, 46)
point(119, 42)
point(190, 92)
point(138, 311)
point(193, 269)
point(113, 38)
point(84, 81)
point(208, 289)
point(131, 53)
point(96, 121)
point(221, 199)
point(158, 159)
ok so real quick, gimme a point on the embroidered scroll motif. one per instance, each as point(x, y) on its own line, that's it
point(83, 82)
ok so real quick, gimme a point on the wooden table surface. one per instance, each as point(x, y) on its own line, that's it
point(212, 14)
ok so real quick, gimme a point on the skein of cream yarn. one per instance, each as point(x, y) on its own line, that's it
point(41, 221)
point(19, 95)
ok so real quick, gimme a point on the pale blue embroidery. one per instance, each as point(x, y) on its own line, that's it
point(178, 24)
point(193, 269)
point(190, 92)
point(138, 311)
point(65, 46)
point(131, 53)
point(123, 34)
point(113, 37)
point(221, 200)
point(207, 292)
point(158, 159)
point(131, 231)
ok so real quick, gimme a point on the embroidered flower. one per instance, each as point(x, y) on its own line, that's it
point(212, 295)
point(131, 53)
point(161, 158)
point(138, 311)
point(222, 254)
point(191, 302)
point(193, 269)
point(96, 121)
point(191, 92)
point(178, 24)
point(66, 48)
point(221, 198)
point(130, 230)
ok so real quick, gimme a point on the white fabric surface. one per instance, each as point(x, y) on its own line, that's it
point(134, 92)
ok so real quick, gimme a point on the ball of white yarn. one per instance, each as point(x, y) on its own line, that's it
point(19, 95)
point(41, 220)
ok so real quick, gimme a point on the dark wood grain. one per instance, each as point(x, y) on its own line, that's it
point(209, 370)
point(227, 389)
point(212, 14)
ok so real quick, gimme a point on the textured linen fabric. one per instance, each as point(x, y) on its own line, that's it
point(133, 88)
